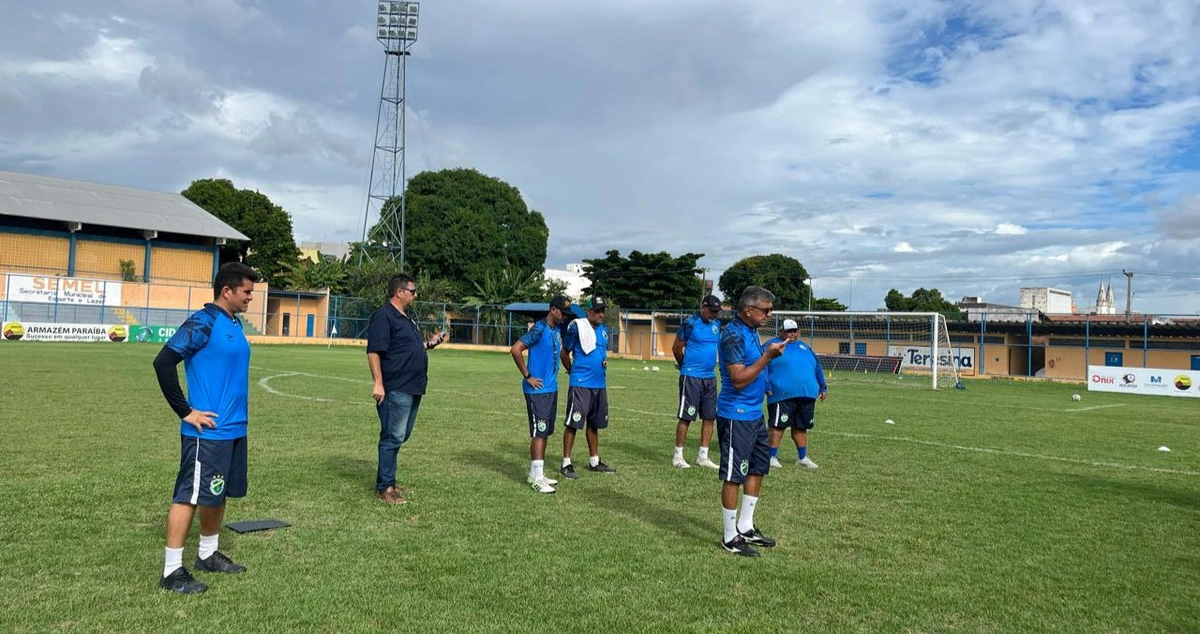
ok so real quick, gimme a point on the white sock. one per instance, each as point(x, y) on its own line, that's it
point(536, 469)
point(746, 521)
point(703, 454)
point(173, 560)
point(208, 545)
point(729, 520)
point(566, 462)
point(594, 460)
point(679, 452)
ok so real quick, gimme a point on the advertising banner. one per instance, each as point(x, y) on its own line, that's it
point(919, 358)
point(27, 331)
point(151, 334)
point(1153, 381)
point(44, 289)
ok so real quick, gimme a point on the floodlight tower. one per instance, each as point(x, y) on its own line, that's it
point(396, 29)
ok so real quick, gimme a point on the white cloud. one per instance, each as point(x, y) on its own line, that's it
point(1010, 229)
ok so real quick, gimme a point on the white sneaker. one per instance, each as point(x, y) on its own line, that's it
point(705, 462)
point(542, 485)
point(553, 482)
point(678, 461)
point(776, 464)
point(806, 462)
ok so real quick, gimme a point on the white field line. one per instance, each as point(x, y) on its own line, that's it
point(1071, 410)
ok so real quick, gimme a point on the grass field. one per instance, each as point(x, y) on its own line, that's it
point(1002, 508)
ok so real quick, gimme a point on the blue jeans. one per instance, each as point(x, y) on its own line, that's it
point(397, 413)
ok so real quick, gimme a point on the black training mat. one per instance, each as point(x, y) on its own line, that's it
point(250, 526)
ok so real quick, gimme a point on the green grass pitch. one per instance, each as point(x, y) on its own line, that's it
point(1002, 508)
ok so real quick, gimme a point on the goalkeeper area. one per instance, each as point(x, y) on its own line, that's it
point(1005, 507)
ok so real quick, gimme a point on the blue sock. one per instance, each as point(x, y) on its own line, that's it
point(774, 452)
point(802, 451)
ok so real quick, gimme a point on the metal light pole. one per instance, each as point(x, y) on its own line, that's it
point(396, 29)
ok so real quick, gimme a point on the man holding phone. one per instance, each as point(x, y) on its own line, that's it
point(396, 354)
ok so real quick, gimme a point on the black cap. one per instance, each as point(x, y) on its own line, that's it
point(712, 303)
point(562, 302)
point(595, 303)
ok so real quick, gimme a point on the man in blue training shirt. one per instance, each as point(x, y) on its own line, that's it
point(797, 382)
point(540, 385)
point(213, 417)
point(695, 351)
point(745, 454)
point(585, 356)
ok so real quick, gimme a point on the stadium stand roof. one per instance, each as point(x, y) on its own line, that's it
point(60, 199)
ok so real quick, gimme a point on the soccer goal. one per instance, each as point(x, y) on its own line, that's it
point(880, 344)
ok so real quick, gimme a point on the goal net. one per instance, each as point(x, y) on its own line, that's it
point(879, 345)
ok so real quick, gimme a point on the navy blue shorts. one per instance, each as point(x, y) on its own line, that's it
point(745, 450)
point(210, 471)
point(697, 398)
point(793, 412)
point(587, 406)
point(542, 409)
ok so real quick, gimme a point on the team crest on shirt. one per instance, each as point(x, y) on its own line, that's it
point(217, 485)
point(744, 467)
point(691, 410)
point(576, 417)
point(783, 418)
point(715, 329)
point(541, 425)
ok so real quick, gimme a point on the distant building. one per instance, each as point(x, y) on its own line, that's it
point(976, 310)
point(573, 276)
point(1047, 300)
point(313, 250)
point(1105, 305)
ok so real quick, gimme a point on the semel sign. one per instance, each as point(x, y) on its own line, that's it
point(1154, 381)
point(43, 289)
point(921, 358)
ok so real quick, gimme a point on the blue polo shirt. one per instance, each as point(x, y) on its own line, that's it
point(587, 370)
point(700, 352)
point(740, 346)
point(216, 361)
point(545, 345)
point(796, 373)
point(402, 357)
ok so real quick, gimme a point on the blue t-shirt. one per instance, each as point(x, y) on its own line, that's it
point(740, 346)
point(587, 370)
point(544, 344)
point(216, 360)
point(700, 353)
point(795, 373)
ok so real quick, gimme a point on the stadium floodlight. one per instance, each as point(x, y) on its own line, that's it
point(384, 7)
point(808, 283)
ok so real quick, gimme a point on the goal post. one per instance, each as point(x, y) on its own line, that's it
point(878, 344)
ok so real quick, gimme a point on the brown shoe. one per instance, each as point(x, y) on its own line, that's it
point(391, 495)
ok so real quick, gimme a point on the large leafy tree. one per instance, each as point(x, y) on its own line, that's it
point(646, 280)
point(782, 275)
point(305, 274)
point(271, 245)
point(461, 224)
point(922, 300)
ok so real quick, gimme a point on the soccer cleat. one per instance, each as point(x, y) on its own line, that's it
point(218, 562)
point(553, 482)
point(776, 464)
point(568, 472)
point(740, 547)
point(542, 485)
point(601, 468)
point(755, 537)
point(678, 461)
point(807, 462)
point(705, 462)
point(182, 581)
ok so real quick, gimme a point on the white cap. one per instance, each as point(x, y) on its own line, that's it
point(790, 324)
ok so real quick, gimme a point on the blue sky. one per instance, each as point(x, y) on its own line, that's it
point(976, 147)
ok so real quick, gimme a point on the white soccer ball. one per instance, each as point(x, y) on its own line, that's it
point(654, 369)
point(645, 368)
point(1074, 397)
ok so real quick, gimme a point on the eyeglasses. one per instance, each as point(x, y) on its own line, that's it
point(412, 290)
point(764, 311)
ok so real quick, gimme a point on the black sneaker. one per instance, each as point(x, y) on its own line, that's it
point(568, 472)
point(738, 546)
point(182, 581)
point(755, 537)
point(601, 468)
point(218, 562)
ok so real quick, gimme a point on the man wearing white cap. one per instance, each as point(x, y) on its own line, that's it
point(797, 382)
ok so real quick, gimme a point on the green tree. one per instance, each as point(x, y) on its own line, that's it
point(782, 275)
point(461, 224)
point(827, 303)
point(268, 226)
point(304, 274)
point(646, 280)
point(922, 300)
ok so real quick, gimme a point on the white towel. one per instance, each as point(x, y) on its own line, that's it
point(587, 335)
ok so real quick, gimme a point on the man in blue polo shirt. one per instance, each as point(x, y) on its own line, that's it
point(399, 364)
point(695, 351)
point(585, 357)
point(745, 455)
point(540, 386)
point(797, 382)
point(212, 428)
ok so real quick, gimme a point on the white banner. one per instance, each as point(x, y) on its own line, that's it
point(26, 331)
point(1155, 381)
point(63, 290)
point(920, 358)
